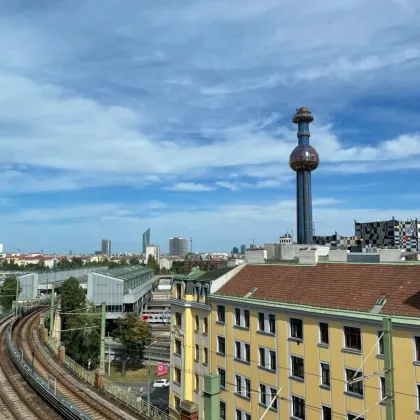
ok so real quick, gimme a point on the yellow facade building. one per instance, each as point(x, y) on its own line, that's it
point(311, 335)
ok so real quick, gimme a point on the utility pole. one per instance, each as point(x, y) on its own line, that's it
point(52, 310)
point(389, 369)
point(102, 352)
point(109, 355)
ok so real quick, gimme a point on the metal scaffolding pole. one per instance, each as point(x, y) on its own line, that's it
point(52, 310)
point(102, 352)
point(389, 369)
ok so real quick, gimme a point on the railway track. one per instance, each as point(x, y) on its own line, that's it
point(26, 337)
point(17, 399)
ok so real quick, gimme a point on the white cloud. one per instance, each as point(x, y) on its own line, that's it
point(228, 185)
point(190, 186)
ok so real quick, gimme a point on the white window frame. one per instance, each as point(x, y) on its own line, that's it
point(378, 346)
point(346, 368)
point(242, 356)
point(322, 410)
point(291, 406)
point(415, 348)
point(418, 396)
point(321, 377)
point(242, 391)
point(381, 390)
point(266, 329)
point(350, 349)
point(291, 367)
point(268, 395)
point(319, 334)
point(290, 329)
point(218, 347)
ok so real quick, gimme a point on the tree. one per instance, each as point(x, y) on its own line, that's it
point(178, 267)
point(152, 263)
point(82, 343)
point(134, 335)
point(72, 295)
point(134, 261)
point(8, 292)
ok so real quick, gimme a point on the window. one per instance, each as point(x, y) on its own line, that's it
point(178, 347)
point(197, 381)
point(238, 384)
point(323, 333)
point(222, 410)
point(353, 417)
point(262, 356)
point(273, 364)
point(246, 318)
point(355, 387)
point(197, 323)
point(248, 388)
point(353, 338)
point(177, 375)
point(243, 386)
point(177, 402)
point(220, 313)
point(326, 413)
point(238, 349)
point(205, 326)
point(222, 375)
point(298, 367)
point(221, 345)
point(261, 321)
point(325, 374)
point(267, 358)
point(197, 352)
point(206, 355)
point(197, 293)
point(241, 415)
point(247, 352)
point(417, 340)
point(178, 319)
point(179, 291)
point(296, 329)
point(237, 316)
point(273, 397)
point(298, 407)
point(381, 343)
point(272, 323)
point(382, 386)
point(263, 394)
point(418, 397)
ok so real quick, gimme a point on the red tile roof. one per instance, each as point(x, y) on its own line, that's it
point(343, 286)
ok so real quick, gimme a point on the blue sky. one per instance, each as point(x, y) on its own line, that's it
point(177, 116)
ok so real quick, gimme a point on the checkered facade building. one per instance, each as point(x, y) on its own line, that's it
point(381, 234)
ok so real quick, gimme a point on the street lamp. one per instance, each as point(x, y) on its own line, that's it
point(148, 377)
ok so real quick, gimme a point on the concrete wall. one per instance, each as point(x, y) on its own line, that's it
point(309, 256)
point(337, 255)
point(391, 255)
point(255, 256)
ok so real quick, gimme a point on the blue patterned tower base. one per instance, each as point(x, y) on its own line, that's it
point(304, 159)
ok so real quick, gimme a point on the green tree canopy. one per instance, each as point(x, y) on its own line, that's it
point(153, 264)
point(72, 295)
point(83, 342)
point(134, 261)
point(134, 335)
point(8, 292)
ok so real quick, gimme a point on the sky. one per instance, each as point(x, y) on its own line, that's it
point(122, 115)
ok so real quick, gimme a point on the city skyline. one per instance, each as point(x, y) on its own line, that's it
point(201, 145)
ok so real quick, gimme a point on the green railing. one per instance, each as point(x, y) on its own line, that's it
point(121, 394)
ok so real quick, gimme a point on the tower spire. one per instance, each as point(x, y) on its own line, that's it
point(303, 160)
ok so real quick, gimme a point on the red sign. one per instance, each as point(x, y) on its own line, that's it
point(162, 369)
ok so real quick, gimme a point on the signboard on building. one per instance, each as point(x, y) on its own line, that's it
point(162, 369)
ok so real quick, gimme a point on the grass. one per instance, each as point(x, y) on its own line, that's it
point(133, 374)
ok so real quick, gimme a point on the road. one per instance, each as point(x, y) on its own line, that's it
point(159, 397)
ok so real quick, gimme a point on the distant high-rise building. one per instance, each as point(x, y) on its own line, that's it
point(178, 246)
point(235, 250)
point(146, 240)
point(106, 247)
point(153, 250)
point(243, 249)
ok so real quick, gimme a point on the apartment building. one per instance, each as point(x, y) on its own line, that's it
point(313, 335)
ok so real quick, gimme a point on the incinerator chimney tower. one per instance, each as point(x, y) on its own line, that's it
point(304, 159)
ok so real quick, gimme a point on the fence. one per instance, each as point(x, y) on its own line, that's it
point(54, 398)
point(119, 393)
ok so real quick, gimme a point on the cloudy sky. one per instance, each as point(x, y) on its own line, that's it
point(122, 115)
